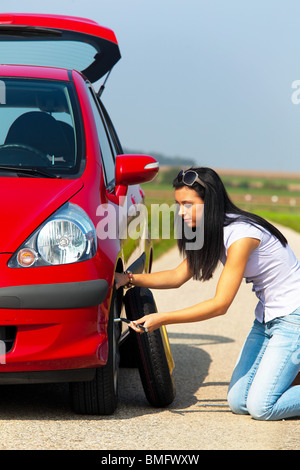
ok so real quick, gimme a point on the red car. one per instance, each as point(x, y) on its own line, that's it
point(63, 179)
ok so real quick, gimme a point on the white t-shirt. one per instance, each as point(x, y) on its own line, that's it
point(273, 269)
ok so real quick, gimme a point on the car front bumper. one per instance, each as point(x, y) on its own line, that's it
point(54, 296)
point(55, 326)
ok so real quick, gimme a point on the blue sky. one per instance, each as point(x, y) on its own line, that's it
point(205, 79)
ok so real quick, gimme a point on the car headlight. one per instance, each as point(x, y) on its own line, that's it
point(66, 237)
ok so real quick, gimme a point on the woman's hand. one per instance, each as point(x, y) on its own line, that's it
point(150, 322)
point(121, 279)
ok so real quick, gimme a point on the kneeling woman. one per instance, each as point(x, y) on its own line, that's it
point(251, 248)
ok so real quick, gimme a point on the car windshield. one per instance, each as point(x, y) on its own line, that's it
point(39, 127)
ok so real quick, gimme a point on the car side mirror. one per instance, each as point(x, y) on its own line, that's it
point(135, 169)
point(132, 169)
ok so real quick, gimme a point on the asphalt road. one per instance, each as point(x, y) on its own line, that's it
point(39, 416)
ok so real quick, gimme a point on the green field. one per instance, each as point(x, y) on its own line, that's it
point(275, 197)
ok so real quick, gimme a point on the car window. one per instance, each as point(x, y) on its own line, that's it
point(63, 54)
point(115, 142)
point(106, 148)
point(39, 126)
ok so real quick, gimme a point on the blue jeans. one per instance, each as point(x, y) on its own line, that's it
point(267, 366)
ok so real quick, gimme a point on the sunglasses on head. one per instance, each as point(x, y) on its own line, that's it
point(189, 177)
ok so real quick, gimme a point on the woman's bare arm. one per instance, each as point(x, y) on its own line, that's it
point(228, 285)
point(161, 280)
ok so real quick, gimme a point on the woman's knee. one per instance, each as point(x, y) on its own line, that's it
point(254, 408)
point(235, 402)
point(254, 404)
point(258, 408)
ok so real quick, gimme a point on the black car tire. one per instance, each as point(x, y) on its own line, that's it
point(154, 358)
point(100, 395)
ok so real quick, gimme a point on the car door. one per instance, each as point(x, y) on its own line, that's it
point(137, 219)
point(128, 208)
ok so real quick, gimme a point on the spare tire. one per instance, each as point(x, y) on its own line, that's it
point(154, 357)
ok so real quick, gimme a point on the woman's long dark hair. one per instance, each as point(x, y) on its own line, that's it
point(217, 208)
